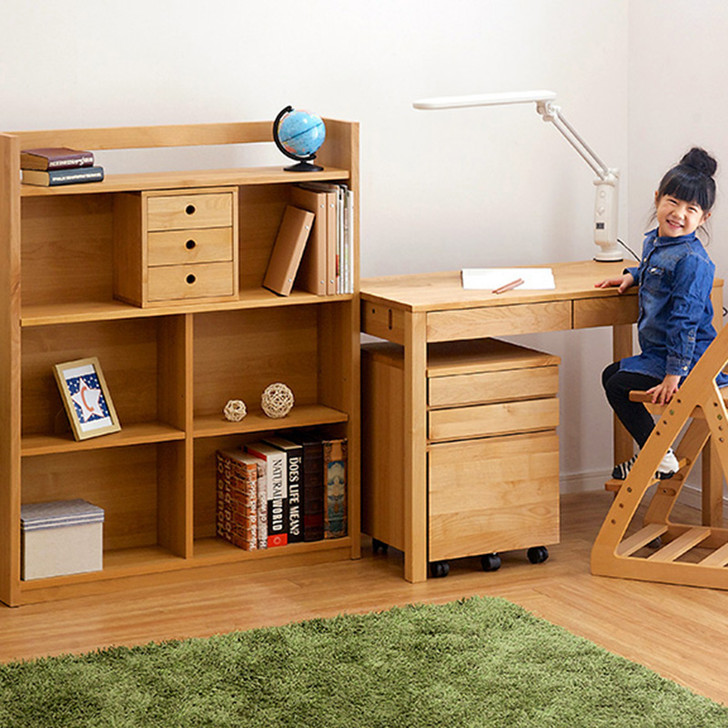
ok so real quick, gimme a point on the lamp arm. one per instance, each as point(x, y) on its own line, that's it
point(551, 112)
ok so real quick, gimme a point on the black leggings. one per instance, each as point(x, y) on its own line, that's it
point(633, 415)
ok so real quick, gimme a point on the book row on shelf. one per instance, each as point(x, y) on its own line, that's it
point(314, 246)
point(52, 166)
point(278, 490)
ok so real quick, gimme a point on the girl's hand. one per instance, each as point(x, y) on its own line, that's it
point(663, 392)
point(622, 282)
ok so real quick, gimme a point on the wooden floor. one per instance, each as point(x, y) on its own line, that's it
point(680, 632)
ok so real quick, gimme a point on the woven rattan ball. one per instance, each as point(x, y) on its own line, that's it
point(235, 410)
point(277, 400)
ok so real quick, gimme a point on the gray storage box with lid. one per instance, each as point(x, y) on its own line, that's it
point(61, 537)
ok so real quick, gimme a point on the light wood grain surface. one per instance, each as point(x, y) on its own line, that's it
point(681, 632)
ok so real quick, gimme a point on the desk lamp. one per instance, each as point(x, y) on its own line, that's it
point(605, 207)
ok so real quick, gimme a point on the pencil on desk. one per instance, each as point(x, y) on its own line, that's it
point(509, 286)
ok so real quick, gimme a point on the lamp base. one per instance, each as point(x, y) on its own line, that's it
point(609, 252)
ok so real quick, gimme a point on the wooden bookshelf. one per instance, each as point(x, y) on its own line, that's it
point(170, 367)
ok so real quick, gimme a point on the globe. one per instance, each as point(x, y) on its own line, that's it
point(299, 135)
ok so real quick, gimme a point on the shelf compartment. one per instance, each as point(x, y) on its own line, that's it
point(144, 364)
point(141, 489)
point(237, 354)
point(67, 256)
point(205, 470)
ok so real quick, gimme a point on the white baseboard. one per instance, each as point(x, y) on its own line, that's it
point(594, 480)
point(583, 482)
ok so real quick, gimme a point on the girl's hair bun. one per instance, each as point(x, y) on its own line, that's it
point(698, 159)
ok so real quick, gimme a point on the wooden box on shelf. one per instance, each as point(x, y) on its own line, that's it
point(176, 245)
point(172, 355)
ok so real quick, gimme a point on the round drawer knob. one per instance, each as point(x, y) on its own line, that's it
point(190, 209)
point(190, 244)
point(191, 278)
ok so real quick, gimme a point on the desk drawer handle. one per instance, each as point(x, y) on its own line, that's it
point(191, 278)
point(190, 244)
point(190, 209)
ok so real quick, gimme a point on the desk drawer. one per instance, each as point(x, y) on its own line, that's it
point(462, 389)
point(193, 210)
point(173, 247)
point(496, 494)
point(203, 280)
point(605, 311)
point(473, 323)
point(493, 419)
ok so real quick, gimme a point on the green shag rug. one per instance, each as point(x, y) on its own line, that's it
point(478, 662)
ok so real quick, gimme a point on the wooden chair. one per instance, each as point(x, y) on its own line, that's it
point(693, 555)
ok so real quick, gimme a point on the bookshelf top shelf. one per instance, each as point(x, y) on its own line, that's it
point(191, 179)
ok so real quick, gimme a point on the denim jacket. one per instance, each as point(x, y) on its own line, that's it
point(675, 324)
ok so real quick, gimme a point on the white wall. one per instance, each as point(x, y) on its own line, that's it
point(677, 99)
point(441, 190)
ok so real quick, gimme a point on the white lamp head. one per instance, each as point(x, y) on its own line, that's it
point(510, 97)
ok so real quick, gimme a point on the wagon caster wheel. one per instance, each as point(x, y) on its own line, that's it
point(438, 569)
point(490, 562)
point(379, 546)
point(656, 543)
point(537, 554)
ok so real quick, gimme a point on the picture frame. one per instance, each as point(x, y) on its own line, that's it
point(86, 398)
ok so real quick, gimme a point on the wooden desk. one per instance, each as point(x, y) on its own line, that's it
point(414, 310)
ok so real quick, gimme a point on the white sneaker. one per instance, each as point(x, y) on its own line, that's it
point(668, 466)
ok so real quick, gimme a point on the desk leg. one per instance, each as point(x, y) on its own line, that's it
point(621, 348)
point(415, 447)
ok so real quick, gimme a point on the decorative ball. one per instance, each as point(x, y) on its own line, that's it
point(235, 410)
point(276, 400)
point(299, 135)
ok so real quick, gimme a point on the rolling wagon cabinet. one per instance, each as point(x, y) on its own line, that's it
point(159, 276)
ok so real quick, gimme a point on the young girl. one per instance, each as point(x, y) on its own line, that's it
point(675, 324)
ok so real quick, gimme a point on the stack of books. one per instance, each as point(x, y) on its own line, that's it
point(282, 490)
point(50, 166)
point(315, 242)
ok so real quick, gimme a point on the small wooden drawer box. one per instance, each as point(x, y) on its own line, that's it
point(176, 246)
point(61, 537)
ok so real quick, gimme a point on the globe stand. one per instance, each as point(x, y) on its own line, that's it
point(304, 167)
point(304, 161)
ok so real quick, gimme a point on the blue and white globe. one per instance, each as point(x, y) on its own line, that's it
point(299, 135)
